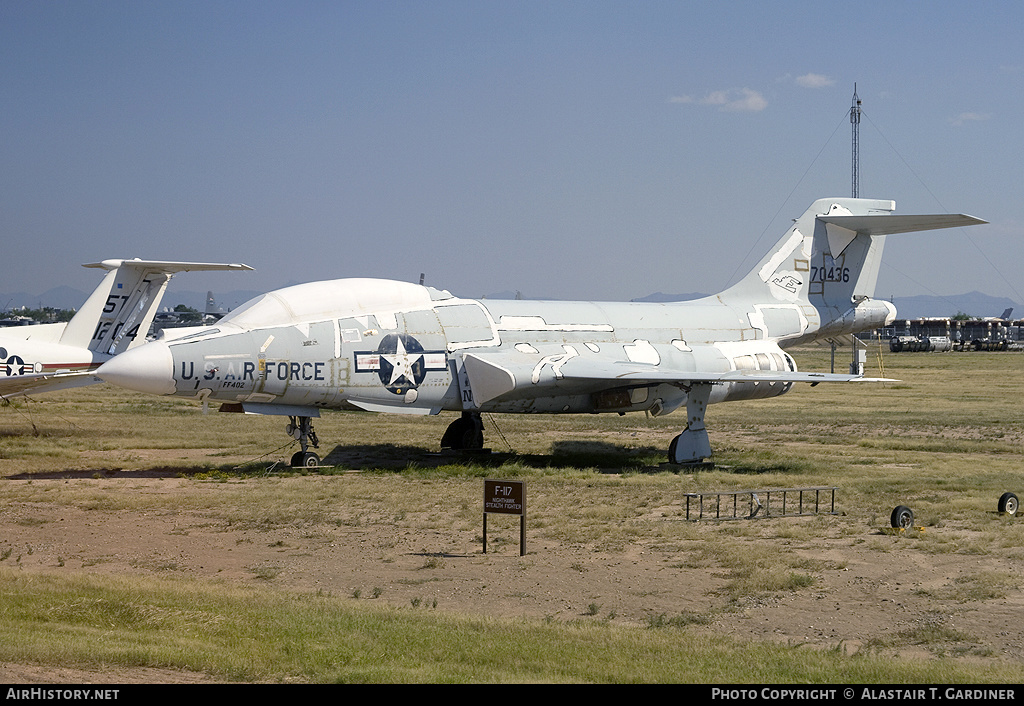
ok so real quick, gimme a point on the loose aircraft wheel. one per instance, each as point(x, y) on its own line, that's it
point(1008, 503)
point(902, 517)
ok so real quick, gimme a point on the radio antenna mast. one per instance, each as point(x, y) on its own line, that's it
point(855, 125)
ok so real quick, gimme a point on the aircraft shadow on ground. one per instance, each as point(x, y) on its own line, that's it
point(604, 457)
point(600, 456)
point(101, 473)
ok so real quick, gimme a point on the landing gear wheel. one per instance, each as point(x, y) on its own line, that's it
point(465, 433)
point(902, 517)
point(1008, 504)
point(301, 429)
point(690, 448)
point(305, 459)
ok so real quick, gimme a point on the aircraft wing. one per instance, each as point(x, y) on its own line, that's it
point(634, 373)
point(24, 384)
point(493, 375)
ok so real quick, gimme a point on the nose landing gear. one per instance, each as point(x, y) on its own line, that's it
point(301, 428)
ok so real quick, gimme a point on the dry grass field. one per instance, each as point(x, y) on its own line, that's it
point(110, 497)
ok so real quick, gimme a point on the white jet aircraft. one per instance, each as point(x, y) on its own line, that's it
point(115, 318)
point(388, 346)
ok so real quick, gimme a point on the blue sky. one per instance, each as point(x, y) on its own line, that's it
point(575, 150)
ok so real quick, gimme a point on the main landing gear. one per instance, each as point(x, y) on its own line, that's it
point(464, 434)
point(301, 428)
point(692, 445)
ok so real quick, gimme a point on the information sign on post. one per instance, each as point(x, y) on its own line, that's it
point(506, 497)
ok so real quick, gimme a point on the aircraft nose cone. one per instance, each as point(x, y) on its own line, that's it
point(148, 368)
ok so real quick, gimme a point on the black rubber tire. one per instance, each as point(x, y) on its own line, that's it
point(902, 517)
point(464, 434)
point(305, 460)
point(1008, 504)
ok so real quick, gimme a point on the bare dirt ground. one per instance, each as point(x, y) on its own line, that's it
point(876, 591)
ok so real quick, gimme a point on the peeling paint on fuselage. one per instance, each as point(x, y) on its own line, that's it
point(404, 355)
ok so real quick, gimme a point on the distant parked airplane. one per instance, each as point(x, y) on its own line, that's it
point(115, 318)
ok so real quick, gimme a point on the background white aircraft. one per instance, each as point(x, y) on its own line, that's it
point(115, 318)
point(389, 346)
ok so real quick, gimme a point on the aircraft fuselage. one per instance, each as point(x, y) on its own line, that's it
point(420, 359)
point(387, 346)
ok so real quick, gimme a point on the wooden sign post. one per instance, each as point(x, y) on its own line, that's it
point(506, 497)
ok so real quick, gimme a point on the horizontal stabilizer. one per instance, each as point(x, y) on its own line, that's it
point(167, 265)
point(890, 225)
point(119, 312)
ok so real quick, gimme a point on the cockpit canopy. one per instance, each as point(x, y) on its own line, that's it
point(320, 301)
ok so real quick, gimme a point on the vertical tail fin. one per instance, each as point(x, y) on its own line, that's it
point(820, 278)
point(119, 312)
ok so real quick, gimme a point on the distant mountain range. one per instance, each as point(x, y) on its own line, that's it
point(975, 304)
point(59, 298)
